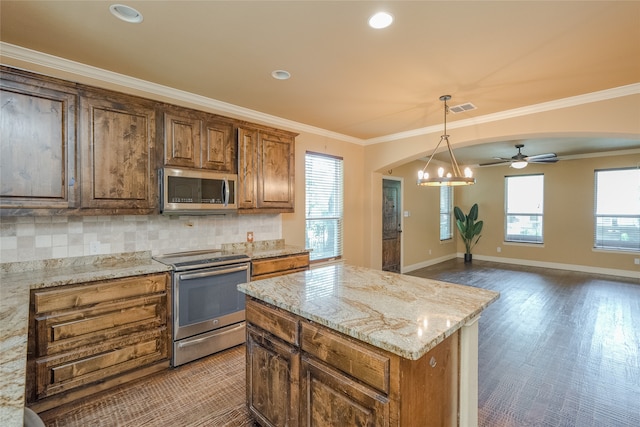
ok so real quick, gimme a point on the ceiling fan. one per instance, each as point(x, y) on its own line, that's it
point(520, 160)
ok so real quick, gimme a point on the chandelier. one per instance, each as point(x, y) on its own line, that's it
point(449, 179)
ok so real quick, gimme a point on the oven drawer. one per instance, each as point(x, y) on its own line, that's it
point(202, 345)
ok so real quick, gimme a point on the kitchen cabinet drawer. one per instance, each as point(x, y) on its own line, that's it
point(88, 337)
point(66, 371)
point(78, 296)
point(79, 328)
point(277, 322)
point(270, 267)
point(350, 357)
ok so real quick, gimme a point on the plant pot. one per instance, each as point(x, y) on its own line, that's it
point(468, 258)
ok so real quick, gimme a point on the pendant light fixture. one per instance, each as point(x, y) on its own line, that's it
point(449, 179)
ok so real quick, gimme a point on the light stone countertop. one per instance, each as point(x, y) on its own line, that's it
point(263, 249)
point(16, 280)
point(404, 315)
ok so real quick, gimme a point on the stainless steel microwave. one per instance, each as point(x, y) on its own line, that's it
point(196, 192)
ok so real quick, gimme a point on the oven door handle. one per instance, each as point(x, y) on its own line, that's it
point(187, 276)
point(199, 340)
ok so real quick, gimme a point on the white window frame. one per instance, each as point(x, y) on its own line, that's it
point(525, 216)
point(446, 213)
point(617, 209)
point(324, 202)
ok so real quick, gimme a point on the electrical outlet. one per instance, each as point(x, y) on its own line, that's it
point(499, 249)
point(636, 261)
point(94, 248)
point(429, 251)
point(250, 236)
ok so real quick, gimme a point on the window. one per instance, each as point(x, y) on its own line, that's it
point(446, 207)
point(617, 209)
point(323, 207)
point(524, 205)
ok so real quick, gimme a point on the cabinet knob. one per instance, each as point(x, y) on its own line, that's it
point(432, 362)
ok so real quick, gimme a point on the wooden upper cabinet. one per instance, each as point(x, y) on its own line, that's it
point(118, 160)
point(181, 140)
point(38, 144)
point(217, 145)
point(266, 168)
point(198, 140)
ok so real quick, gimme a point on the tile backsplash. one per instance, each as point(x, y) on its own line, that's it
point(37, 238)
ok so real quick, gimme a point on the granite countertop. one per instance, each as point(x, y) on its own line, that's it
point(263, 249)
point(16, 280)
point(404, 315)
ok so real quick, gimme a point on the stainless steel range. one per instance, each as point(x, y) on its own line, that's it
point(208, 310)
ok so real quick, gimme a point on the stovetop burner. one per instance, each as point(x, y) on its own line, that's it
point(191, 260)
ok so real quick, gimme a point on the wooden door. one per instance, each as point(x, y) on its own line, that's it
point(247, 168)
point(182, 139)
point(37, 142)
point(330, 398)
point(218, 150)
point(118, 161)
point(276, 159)
point(391, 224)
point(273, 372)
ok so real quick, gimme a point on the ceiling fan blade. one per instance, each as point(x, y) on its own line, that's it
point(541, 157)
point(499, 162)
point(543, 160)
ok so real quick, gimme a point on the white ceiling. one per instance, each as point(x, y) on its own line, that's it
point(346, 77)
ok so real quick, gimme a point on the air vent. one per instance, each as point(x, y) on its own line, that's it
point(462, 108)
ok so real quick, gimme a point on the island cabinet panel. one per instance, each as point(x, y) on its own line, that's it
point(88, 337)
point(38, 145)
point(266, 170)
point(348, 355)
point(331, 399)
point(277, 266)
point(273, 369)
point(118, 154)
point(433, 392)
point(195, 139)
point(339, 380)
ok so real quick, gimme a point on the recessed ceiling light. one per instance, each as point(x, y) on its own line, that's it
point(380, 20)
point(281, 74)
point(126, 13)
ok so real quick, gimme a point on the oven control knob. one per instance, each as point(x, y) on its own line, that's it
point(215, 321)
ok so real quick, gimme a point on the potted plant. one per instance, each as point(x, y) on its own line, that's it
point(469, 228)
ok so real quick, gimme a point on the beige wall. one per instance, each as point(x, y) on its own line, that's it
point(568, 214)
point(568, 184)
point(293, 225)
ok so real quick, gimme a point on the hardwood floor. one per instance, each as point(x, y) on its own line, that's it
point(558, 348)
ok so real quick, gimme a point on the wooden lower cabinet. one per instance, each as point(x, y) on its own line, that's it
point(330, 398)
point(331, 379)
point(272, 376)
point(277, 266)
point(89, 337)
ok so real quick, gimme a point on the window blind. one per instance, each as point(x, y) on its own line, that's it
point(323, 205)
point(617, 209)
point(524, 208)
point(446, 208)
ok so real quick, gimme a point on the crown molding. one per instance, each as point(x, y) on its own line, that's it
point(76, 68)
point(603, 95)
point(42, 59)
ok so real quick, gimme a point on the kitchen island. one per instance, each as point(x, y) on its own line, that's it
point(344, 345)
